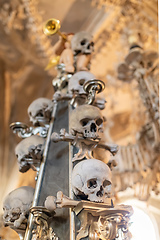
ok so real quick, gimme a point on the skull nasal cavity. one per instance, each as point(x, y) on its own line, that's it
point(100, 192)
point(93, 127)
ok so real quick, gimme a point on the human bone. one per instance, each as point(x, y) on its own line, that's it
point(29, 152)
point(40, 110)
point(17, 204)
point(87, 121)
point(92, 179)
point(77, 81)
point(82, 42)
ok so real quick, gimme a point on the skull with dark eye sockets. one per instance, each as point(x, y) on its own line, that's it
point(76, 84)
point(29, 152)
point(17, 204)
point(87, 121)
point(92, 179)
point(40, 111)
point(82, 42)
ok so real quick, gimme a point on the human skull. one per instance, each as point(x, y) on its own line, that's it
point(40, 110)
point(17, 204)
point(29, 152)
point(92, 179)
point(77, 81)
point(82, 42)
point(87, 121)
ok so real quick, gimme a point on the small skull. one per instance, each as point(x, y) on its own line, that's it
point(40, 110)
point(77, 81)
point(91, 179)
point(17, 204)
point(86, 120)
point(29, 152)
point(82, 42)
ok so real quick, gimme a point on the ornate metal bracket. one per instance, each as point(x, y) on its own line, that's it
point(92, 87)
point(61, 81)
point(42, 218)
point(24, 131)
point(99, 221)
point(85, 146)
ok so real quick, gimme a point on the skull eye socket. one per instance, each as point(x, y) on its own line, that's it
point(99, 121)
point(92, 183)
point(84, 121)
point(22, 160)
point(83, 42)
point(106, 183)
point(92, 44)
point(81, 82)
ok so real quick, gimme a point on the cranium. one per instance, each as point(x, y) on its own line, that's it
point(77, 81)
point(29, 152)
point(40, 110)
point(82, 42)
point(17, 204)
point(87, 121)
point(91, 179)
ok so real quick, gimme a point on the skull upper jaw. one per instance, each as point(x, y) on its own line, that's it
point(24, 166)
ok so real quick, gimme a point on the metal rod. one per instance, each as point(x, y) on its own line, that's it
point(72, 220)
point(40, 176)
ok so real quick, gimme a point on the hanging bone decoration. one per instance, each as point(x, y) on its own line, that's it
point(138, 166)
point(141, 65)
point(16, 206)
point(91, 179)
point(39, 111)
point(12, 15)
point(29, 153)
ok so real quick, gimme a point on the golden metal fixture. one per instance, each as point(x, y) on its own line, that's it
point(52, 27)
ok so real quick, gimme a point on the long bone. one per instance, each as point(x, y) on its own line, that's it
point(62, 201)
point(85, 145)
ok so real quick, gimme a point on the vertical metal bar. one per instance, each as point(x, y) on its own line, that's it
point(40, 176)
point(72, 219)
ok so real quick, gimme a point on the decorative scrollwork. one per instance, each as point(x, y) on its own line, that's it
point(24, 131)
point(92, 87)
point(99, 221)
point(61, 81)
point(42, 218)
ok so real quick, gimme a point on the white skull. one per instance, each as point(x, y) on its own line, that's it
point(17, 204)
point(92, 179)
point(77, 81)
point(82, 42)
point(40, 110)
point(87, 121)
point(29, 152)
